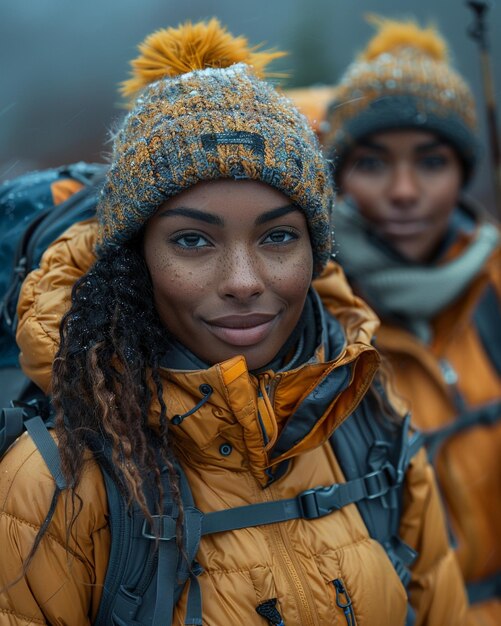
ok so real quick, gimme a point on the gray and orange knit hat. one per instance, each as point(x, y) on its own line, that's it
point(202, 111)
point(403, 79)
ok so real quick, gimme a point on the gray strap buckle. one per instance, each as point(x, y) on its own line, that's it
point(377, 483)
point(165, 525)
point(321, 501)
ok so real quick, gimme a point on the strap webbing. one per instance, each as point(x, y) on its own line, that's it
point(409, 446)
point(487, 319)
point(486, 589)
point(194, 603)
point(166, 583)
point(309, 504)
point(47, 447)
point(486, 415)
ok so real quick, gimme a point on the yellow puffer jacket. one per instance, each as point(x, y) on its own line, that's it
point(295, 561)
point(456, 368)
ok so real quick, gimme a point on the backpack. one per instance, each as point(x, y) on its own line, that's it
point(144, 562)
point(29, 222)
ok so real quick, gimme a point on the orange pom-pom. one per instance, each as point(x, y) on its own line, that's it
point(170, 52)
point(393, 35)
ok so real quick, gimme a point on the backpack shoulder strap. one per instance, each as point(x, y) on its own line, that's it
point(365, 445)
point(487, 320)
point(146, 571)
point(365, 442)
point(485, 415)
point(47, 447)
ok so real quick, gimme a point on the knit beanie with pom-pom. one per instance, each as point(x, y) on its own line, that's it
point(200, 111)
point(403, 80)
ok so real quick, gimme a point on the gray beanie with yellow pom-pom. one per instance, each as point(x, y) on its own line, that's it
point(203, 112)
point(402, 80)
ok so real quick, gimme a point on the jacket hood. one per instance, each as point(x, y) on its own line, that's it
point(261, 419)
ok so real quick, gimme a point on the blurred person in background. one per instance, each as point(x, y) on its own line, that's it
point(402, 132)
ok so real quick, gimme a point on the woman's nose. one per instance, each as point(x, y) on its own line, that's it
point(241, 275)
point(404, 186)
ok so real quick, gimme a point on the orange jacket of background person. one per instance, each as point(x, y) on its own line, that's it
point(402, 129)
point(296, 561)
point(459, 374)
point(455, 378)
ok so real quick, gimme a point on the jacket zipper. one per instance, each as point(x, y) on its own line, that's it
point(292, 569)
point(272, 387)
point(269, 389)
point(343, 601)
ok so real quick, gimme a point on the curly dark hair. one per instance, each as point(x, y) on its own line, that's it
point(106, 375)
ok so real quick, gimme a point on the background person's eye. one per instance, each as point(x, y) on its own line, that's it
point(433, 162)
point(280, 236)
point(369, 163)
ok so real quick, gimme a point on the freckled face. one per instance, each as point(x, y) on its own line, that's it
point(231, 264)
point(407, 184)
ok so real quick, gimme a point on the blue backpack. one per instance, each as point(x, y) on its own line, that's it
point(145, 562)
point(29, 222)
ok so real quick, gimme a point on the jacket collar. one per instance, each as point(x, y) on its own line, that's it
point(270, 416)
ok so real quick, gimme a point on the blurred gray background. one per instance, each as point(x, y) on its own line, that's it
point(61, 61)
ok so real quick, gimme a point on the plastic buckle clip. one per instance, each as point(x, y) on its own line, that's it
point(317, 502)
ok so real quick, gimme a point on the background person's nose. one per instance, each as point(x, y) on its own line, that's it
point(404, 186)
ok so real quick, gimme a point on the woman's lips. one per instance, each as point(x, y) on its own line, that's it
point(242, 330)
point(404, 228)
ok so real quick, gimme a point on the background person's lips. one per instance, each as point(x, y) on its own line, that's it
point(403, 228)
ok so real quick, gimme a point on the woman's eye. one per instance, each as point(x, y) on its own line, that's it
point(433, 162)
point(191, 240)
point(280, 236)
point(369, 164)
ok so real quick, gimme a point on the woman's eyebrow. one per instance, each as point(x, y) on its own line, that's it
point(195, 214)
point(372, 145)
point(274, 213)
point(430, 145)
point(211, 218)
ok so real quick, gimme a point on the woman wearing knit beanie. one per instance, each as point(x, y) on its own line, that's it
point(197, 377)
point(402, 131)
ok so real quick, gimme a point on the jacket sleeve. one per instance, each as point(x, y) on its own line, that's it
point(62, 583)
point(45, 297)
point(436, 590)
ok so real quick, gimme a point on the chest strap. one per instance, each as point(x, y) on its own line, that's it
point(486, 415)
point(309, 504)
point(485, 589)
